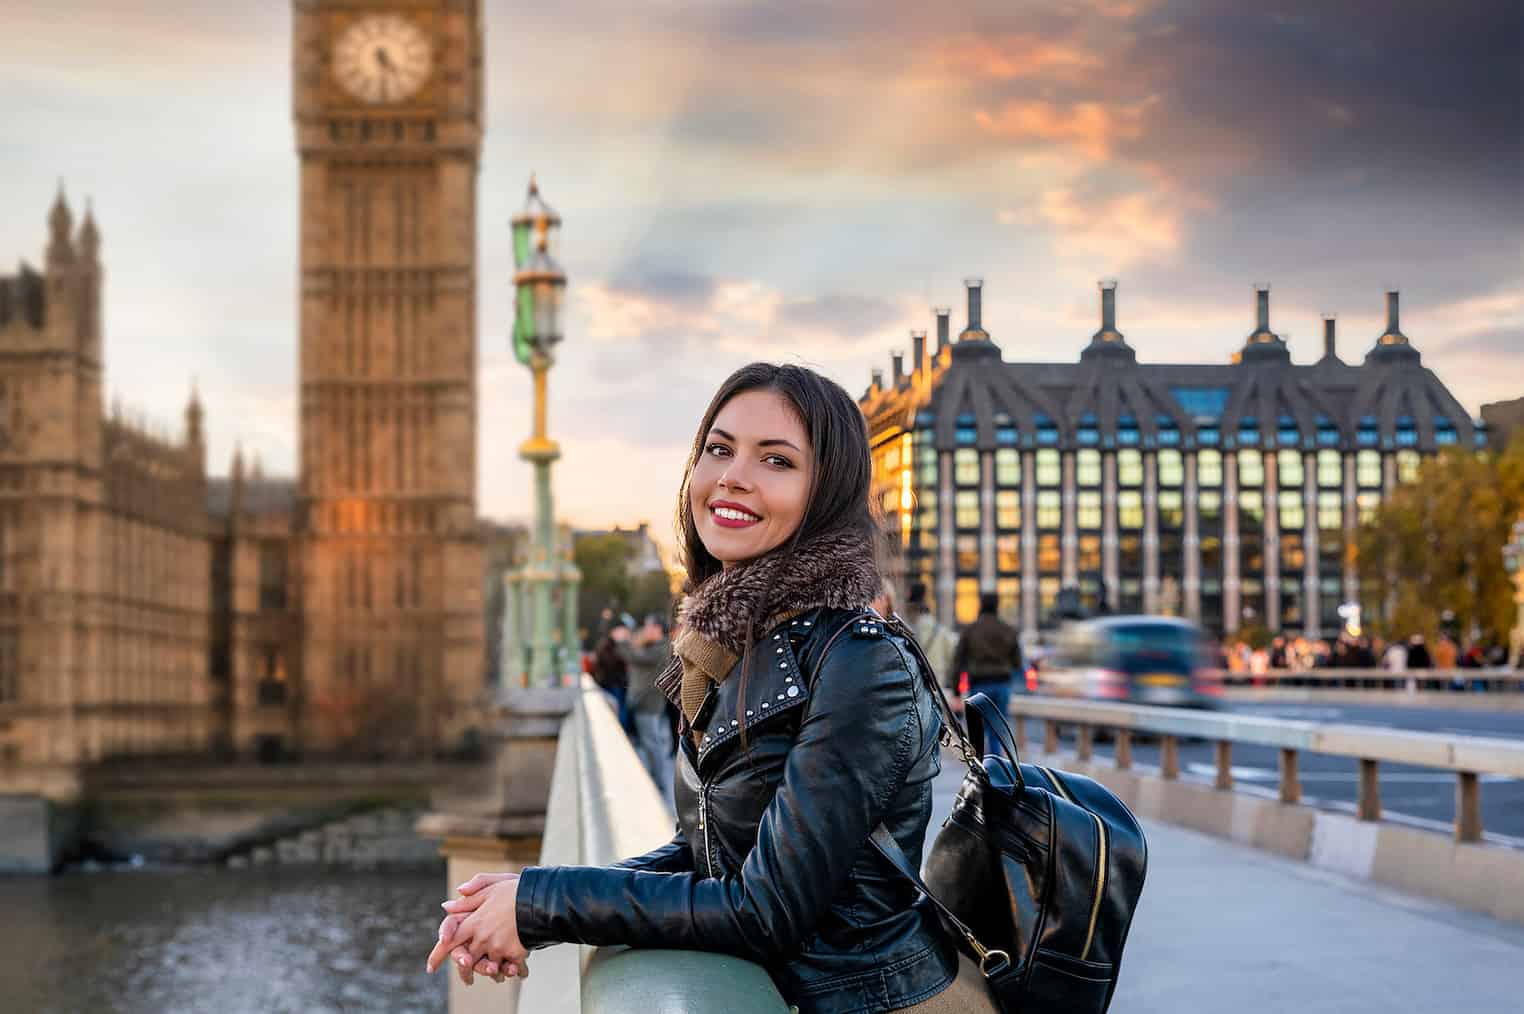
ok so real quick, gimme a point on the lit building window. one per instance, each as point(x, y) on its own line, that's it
point(1251, 505)
point(926, 460)
point(1008, 554)
point(1407, 466)
point(1171, 469)
point(1088, 514)
point(1087, 469)
point(966, 508)
point(1007, 508)
point(1209, 468)
point(1209, 505)
point(1049, 556)
point(1049, 468)
point(1050, 508)
point(967, 553)
point(967, 599)
point(1293, 515)
point(1368, 469)
point(1330, 469)
point(1007, 467)
point(1289, 465)
point(1129, 468)
point(1008, 591)
point(1171, 509)
point(1251, 468)
point(1366, 504)
point(1130, 508)
point(1330, 512)
point(966, 466)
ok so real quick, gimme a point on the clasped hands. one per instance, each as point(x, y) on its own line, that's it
point(480, 934)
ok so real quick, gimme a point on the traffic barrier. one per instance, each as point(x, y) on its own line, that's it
point(1460, 689)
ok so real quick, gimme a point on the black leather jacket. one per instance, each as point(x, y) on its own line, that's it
point(771, 860)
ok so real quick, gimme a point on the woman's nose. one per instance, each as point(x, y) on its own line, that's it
point(734, 477)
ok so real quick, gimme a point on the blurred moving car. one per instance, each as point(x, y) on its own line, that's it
point(1141, 659)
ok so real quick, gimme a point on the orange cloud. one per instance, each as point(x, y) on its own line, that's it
point(1112, 232)
point(1090, 127)
point(1013, 56)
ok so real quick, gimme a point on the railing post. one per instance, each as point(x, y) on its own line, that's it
point(1169, 758)
point(1050, 736)
point(1468, 806)
point(1224, 764)
point(1291, 786)
point(1084, 741)
point(1370, 790)
point(1124, 749)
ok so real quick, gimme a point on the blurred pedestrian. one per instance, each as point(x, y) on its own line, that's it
point(938, 642)
point(990, 653)
point(611, 674)
point(1418, 653)
point(1445, 653)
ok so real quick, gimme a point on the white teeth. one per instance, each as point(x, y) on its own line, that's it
point(734, 515)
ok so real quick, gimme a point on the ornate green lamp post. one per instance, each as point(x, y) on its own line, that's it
point(548, 573)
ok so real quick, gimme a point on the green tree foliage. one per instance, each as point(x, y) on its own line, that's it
point(607, 581)
point(1437, 543)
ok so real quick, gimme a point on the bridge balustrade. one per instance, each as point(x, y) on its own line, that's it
point(1468, 757)
point(602, 808)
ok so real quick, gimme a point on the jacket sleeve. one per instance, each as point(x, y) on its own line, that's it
point(857, 738)
point(674, 857)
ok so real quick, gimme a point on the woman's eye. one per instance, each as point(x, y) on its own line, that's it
point(779, 461)
point(714, 448)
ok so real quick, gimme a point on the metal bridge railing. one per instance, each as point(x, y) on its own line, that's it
point(1467, 756)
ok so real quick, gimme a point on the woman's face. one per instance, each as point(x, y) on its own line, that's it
point(749, 485)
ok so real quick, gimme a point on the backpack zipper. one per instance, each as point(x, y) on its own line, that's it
point(1100, 865)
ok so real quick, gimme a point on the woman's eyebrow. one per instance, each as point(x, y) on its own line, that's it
point(770, 442)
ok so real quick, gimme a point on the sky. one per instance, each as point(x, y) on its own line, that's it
point(802, 182)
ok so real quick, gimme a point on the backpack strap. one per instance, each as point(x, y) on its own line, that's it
point(991, 961)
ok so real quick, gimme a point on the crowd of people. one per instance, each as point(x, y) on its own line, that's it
point(1297, 653)
point(625, 660)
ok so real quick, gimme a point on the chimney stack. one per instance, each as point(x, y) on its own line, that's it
point(918, 355)
point(1108, 305)
point(1262, 308)
point(1330, 350)
point(975, 293)
point(1391, 312)
point(898, 359)
point(944, 327)
point(878, 380)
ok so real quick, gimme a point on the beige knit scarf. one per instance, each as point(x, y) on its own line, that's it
point(834, 569)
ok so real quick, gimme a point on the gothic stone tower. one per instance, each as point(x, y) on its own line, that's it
point(388, 111)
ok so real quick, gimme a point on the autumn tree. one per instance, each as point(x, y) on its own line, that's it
point(1437, 543)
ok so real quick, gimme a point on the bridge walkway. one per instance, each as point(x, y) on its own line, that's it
point(1223, 927)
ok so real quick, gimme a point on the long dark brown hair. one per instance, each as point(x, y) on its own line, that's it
point(838, 499)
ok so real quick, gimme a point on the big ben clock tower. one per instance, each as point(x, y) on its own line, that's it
point(388, 111)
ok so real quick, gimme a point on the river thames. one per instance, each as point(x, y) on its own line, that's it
point(253, 941)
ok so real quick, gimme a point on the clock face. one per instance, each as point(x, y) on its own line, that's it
point(382, 58)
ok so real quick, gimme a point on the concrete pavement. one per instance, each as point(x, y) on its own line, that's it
point(1222, 927)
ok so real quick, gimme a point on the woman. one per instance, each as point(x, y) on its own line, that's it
point(805, 725)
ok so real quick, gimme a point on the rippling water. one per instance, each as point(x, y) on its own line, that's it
point(256, 941)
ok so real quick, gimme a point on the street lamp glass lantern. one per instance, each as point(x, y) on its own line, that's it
point(539, 280)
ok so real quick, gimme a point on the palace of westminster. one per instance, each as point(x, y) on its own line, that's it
point(147, 608)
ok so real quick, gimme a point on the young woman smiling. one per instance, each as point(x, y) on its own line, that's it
point(806, 724)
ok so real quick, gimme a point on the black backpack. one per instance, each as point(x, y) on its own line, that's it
point(1036, 871)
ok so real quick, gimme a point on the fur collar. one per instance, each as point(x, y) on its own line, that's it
point(835, 569)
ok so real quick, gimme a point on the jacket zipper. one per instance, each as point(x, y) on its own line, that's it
point(704, 826)
point(1100, 864)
